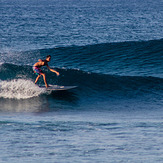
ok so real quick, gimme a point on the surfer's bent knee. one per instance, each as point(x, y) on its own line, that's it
point(43, 74)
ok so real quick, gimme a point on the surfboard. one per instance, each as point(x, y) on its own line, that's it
point(58, 88)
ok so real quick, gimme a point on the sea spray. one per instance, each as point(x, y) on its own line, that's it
point(19, 89)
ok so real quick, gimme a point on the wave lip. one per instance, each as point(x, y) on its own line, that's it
point(19, 89)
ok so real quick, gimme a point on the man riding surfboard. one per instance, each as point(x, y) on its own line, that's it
point(39, 72)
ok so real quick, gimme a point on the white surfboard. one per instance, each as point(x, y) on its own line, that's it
point(57, 87)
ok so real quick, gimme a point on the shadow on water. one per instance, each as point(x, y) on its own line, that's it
point(62, 100)
point(66, 96)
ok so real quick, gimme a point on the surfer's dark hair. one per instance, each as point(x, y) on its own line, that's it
point(48, 56)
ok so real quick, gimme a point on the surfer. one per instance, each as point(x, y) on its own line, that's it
point(39, 72)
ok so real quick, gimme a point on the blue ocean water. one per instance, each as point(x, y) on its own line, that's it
point(112, 50)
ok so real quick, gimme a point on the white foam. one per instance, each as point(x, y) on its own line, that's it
point(19, 89)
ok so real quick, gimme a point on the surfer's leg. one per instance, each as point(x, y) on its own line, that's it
point(44, 77)
point(37, 78)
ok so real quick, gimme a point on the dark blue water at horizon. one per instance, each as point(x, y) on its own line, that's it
point(45, 24)
point(112, 50)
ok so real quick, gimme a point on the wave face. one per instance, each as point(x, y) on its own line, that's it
point(119, 73)
point(18, 82)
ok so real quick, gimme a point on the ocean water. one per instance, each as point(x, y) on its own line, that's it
point(112, 50)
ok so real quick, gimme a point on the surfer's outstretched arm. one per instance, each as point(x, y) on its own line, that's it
point(52, 70)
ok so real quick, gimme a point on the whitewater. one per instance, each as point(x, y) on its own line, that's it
point(112, 50)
